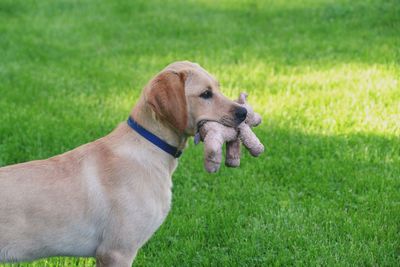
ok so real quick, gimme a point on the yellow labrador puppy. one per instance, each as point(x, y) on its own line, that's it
point(105, 199)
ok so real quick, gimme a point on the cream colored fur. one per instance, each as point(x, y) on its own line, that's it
point(105, 199)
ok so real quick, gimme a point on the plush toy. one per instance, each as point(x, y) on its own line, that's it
point(214, 135)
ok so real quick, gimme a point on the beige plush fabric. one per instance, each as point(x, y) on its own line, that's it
point(214, 135)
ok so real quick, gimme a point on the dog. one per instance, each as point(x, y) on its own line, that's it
point(106, 198)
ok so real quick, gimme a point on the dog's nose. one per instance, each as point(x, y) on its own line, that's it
point(240, 114)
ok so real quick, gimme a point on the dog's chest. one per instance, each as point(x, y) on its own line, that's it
point(154, 208)
point(162, 199)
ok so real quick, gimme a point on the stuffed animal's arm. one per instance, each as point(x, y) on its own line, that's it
point(250, 140)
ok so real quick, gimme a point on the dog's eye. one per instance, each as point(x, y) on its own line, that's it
point(206, 94)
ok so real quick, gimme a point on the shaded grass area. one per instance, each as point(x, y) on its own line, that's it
point(324, 74)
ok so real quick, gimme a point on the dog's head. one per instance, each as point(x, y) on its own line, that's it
point(184, 95)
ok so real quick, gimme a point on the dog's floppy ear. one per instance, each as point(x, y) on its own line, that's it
point(167, 98)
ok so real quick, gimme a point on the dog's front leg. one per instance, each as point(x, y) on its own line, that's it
point(114, 258)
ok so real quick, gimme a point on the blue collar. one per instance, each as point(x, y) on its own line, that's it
point(173, 151)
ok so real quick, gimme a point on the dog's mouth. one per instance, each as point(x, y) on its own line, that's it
point(226, 121)
point(229, 122)
point(200, 124)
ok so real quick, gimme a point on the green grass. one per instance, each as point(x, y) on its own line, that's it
point(324, 75)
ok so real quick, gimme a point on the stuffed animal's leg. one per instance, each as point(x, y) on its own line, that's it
point(250, 140)
point(212, 152)
point(232, 157)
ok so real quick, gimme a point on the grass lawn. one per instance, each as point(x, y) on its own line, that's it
point(325, 75)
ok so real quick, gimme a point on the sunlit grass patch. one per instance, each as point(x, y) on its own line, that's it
point(342, 99)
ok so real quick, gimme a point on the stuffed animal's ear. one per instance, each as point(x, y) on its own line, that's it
point(242, 98)
point(167, 98)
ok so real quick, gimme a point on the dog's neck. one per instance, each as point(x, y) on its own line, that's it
point(146, 117)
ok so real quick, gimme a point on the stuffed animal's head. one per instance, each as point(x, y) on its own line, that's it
point(253, 119)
